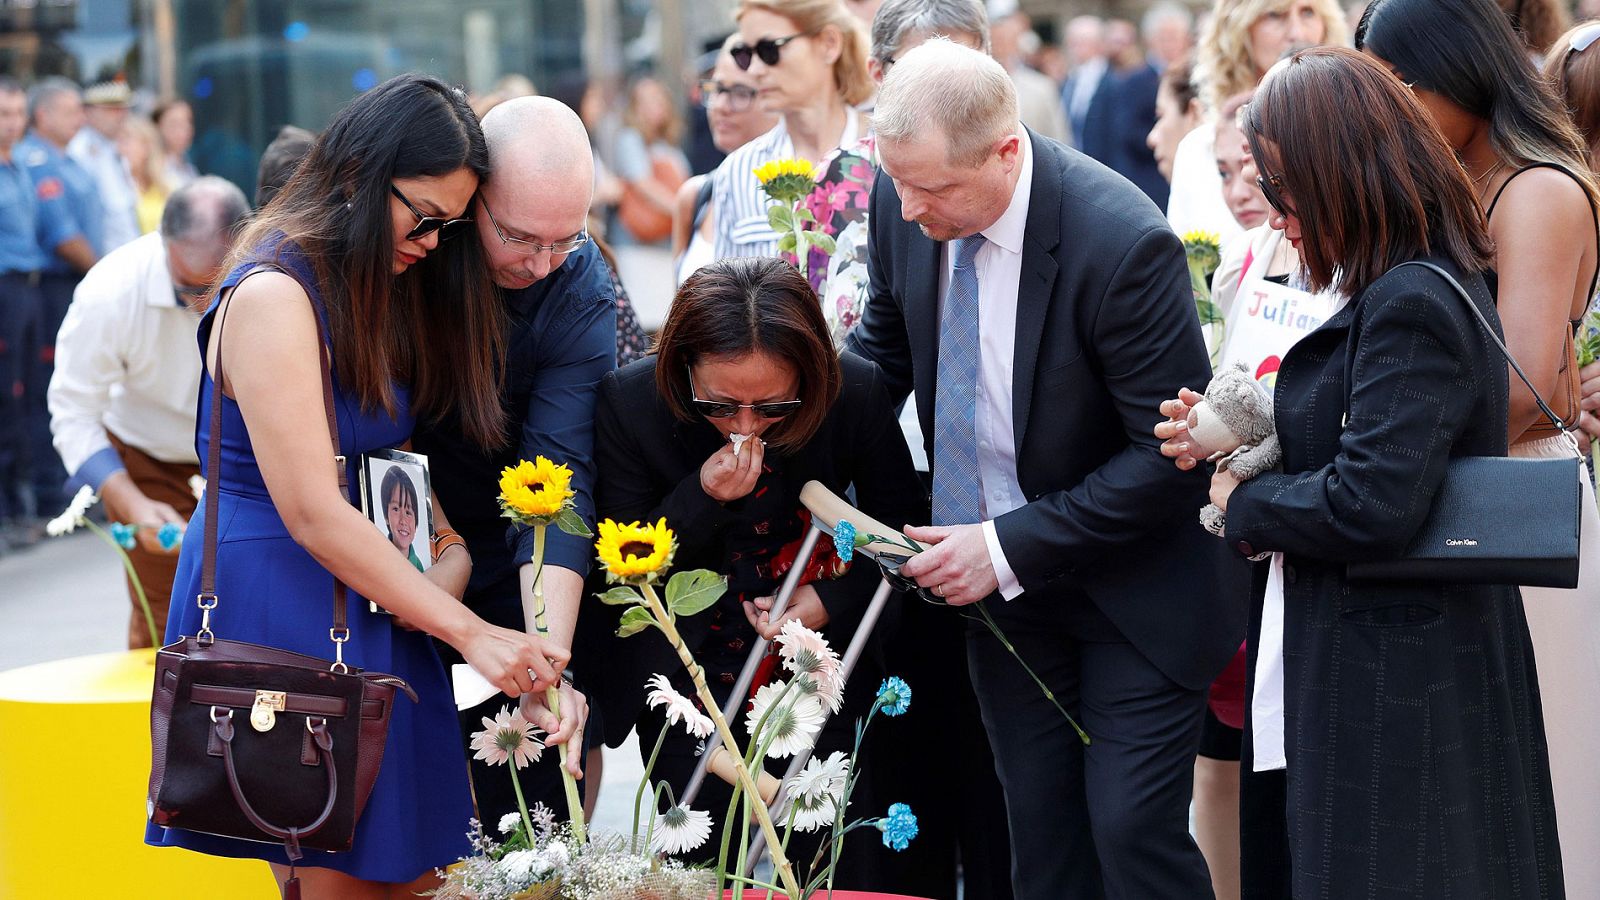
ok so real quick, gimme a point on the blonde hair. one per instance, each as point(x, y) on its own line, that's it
point(960, 91)
point(850, 73)
point(1225, 63)
point(154, 172)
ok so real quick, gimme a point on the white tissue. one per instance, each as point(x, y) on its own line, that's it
point(738, 441)
point(471, 688)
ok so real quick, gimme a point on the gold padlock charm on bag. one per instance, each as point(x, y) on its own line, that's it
point(264, 712)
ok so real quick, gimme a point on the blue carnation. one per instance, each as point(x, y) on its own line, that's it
point(894, 695)
point(844, 540)
point(169, 535)
point(123, 535)
point(898, 827)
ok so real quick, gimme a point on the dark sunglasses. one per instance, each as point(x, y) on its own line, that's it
point(1269, 185)
point(889, 565)
point(766, 48)
point(737, 95)
point(426, 225)
point(717, 409)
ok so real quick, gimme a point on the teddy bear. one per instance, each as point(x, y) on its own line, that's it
point(1233, 428)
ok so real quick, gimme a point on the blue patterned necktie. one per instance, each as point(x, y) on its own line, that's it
point(956, 487)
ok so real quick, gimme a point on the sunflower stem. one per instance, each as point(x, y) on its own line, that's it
point(780, 861)
point(133, 579)
point(638, 797)
point(552, 694)
point(744, 849)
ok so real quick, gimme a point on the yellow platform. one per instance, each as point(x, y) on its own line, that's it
point(74, 768)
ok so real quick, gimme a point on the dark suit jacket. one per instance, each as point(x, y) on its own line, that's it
point(1106, 330)
point(650, 468)
point(1133, 112)
point(1412, 724)
point(1093, 133)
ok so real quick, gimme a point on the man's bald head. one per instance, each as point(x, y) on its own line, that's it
point(540, 185)
point(539, 144)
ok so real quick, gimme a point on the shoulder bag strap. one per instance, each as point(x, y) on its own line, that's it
point(207, 598)
point(1504, 351)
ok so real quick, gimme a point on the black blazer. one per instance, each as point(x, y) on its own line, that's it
point(1412, 724)
point(1133, 115)
point(1106, 330)
point(649, 467)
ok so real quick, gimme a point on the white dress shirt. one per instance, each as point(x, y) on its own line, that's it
point(127, 361)
point(119, 197)
point(999, 265)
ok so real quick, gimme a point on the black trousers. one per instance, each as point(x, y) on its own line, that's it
point(20, 307)
point(1110, 819)
point(47, 476)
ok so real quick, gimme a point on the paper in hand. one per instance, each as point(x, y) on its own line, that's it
point(471, 688)
point(738, 441)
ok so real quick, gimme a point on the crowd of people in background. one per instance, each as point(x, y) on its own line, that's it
point(1088, 145)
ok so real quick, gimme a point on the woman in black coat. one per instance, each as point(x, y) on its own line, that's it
point(745, 356)
point(1405, 716)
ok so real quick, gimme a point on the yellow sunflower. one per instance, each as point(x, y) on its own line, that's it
point(635, 553)
point(535, 491)
point(786, 180)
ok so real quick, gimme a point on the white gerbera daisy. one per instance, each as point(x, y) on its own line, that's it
point(72, 517)
point(804, 651)
point(679, 830)
point(792, 725)
point(678, 707)
point(816, 792)
point(509, 822)
point(507, 737)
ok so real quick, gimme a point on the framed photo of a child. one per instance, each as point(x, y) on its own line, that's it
point(397, 499)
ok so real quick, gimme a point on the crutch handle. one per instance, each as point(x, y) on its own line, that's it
point(827, 508)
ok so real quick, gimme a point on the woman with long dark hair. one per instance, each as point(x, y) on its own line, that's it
point(359, 239)
point(1406, 717)
point(1530, 168)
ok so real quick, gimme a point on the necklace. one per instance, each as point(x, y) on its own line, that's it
point(1483, 179)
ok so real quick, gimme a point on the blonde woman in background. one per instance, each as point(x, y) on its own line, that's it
point(140, 145)
point(649, 162)
point(1241, 41)
point(809, 62)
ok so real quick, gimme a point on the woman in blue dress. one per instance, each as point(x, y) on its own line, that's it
point(357, 238)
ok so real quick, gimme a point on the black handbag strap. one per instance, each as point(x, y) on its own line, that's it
point(207, 598)
point(1489, 330)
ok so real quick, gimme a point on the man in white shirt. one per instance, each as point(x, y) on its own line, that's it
point(105, 107)
point(1040, 309)
point(122, 400)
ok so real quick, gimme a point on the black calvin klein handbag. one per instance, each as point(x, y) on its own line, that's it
point(1495, 520)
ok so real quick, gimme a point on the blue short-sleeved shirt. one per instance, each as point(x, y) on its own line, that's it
point(68, 203)
point(19, 236)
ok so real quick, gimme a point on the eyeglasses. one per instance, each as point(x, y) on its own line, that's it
point(718, 409)
point(426, 225)
point(534, 248)
point(190, 292)
point(766, 48)
point(889, 565)
point(1585, 36)
point(737, 95)
point(1269, 185)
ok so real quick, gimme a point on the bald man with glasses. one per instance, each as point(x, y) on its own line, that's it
point(561, 315)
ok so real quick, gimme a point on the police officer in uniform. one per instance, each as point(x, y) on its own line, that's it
point(20, 261)
point(70, 227)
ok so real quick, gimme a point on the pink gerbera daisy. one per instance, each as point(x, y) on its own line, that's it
point(508, 736)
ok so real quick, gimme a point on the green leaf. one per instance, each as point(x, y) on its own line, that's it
point(822, 242)
point(620, 596)
point(569, 521)
point(694, 591)
point(634, 621)
point(804, 215)
point(780, 217)
point(786, 242)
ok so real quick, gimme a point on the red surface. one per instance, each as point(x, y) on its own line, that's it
point(760, 894)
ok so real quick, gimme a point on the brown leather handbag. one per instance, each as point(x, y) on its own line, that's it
point(257, 743)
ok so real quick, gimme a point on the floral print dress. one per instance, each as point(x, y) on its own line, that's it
point(839, 204)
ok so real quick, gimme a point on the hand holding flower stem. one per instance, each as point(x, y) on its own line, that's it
point(121, 539)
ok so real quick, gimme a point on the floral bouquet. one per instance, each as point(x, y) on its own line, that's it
point(536, 495)
point(788, 182)
point(1588, 340)
point(1203, 250)
point(122, 538)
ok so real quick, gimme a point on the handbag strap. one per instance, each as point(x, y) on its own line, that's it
point(1504, 351)
point(207, 599)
